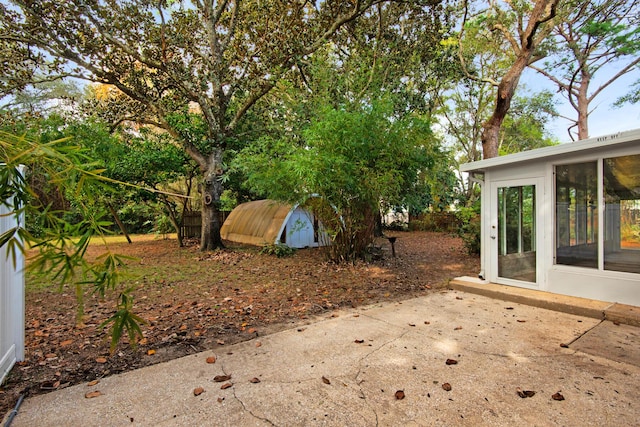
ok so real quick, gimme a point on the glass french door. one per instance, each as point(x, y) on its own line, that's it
point(514, 232)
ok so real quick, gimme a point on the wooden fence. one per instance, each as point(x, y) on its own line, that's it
point(192, 224)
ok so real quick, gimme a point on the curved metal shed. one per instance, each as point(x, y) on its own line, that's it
point(267, 222)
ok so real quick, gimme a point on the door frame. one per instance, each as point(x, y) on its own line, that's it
point(538, 183)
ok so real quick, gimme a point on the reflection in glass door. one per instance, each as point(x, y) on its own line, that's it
point(517, 233)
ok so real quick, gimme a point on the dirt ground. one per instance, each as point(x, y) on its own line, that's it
point(193, 301)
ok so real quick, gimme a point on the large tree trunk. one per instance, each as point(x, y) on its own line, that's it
point(506, 89)
point(543, 11)
point(211, 191)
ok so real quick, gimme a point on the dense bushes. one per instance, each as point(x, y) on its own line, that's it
point(435, 221)
point(469, 230)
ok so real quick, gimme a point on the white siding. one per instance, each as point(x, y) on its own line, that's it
point(11, 302)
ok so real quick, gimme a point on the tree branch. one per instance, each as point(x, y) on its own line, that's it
point(620, 73)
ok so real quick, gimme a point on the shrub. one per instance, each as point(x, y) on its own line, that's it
point(469, 230)
point(436, 221)
point(278, 250)
point(397, 226)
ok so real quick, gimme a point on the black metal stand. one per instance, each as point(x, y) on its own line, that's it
point(392, 240)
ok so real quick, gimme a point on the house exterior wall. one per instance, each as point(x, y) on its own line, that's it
point(11, 301)
point(600, 284)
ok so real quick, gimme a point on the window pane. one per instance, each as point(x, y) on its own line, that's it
point(622, 214)
point(577, 214)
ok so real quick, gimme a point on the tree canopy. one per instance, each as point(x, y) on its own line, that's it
point(215, 57)
point(352, 160)
point(588, 37)
point(513, 32)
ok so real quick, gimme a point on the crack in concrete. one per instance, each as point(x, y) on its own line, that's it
point(544, 356)
point(235, 396)
point(507, 356)
point(585, 332)
point(266, 420)
point(355, 377)
point(362, 360)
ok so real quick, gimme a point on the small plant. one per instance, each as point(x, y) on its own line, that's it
point(469, 229)
point(163, 225)
point(278, 250)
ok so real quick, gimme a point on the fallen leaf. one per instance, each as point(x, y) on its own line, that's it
point(254, 380)
point(399, 395)
point(220, 399)
point(221, 378)
point(92, 383)
point(66, 343)
point(525, 393)
point(458, 298)
point(359, 341)
point(220, 342)
point(412, 324)
point(92, 394)
point(251, 331)
point(211, 359)
point(326, 380)
point(101, 359)
point(557, 396)
point(446, 387)
point(225, 386)
point(151, 352)
point(258, 344)
point(198, 391)
point(143, 341)
point(451, 362)
point(457, 328)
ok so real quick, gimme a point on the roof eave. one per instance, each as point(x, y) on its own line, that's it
point(592, 144)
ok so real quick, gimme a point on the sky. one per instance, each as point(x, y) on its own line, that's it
point(604, 120)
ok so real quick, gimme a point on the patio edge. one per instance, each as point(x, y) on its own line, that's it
point(617, 313)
